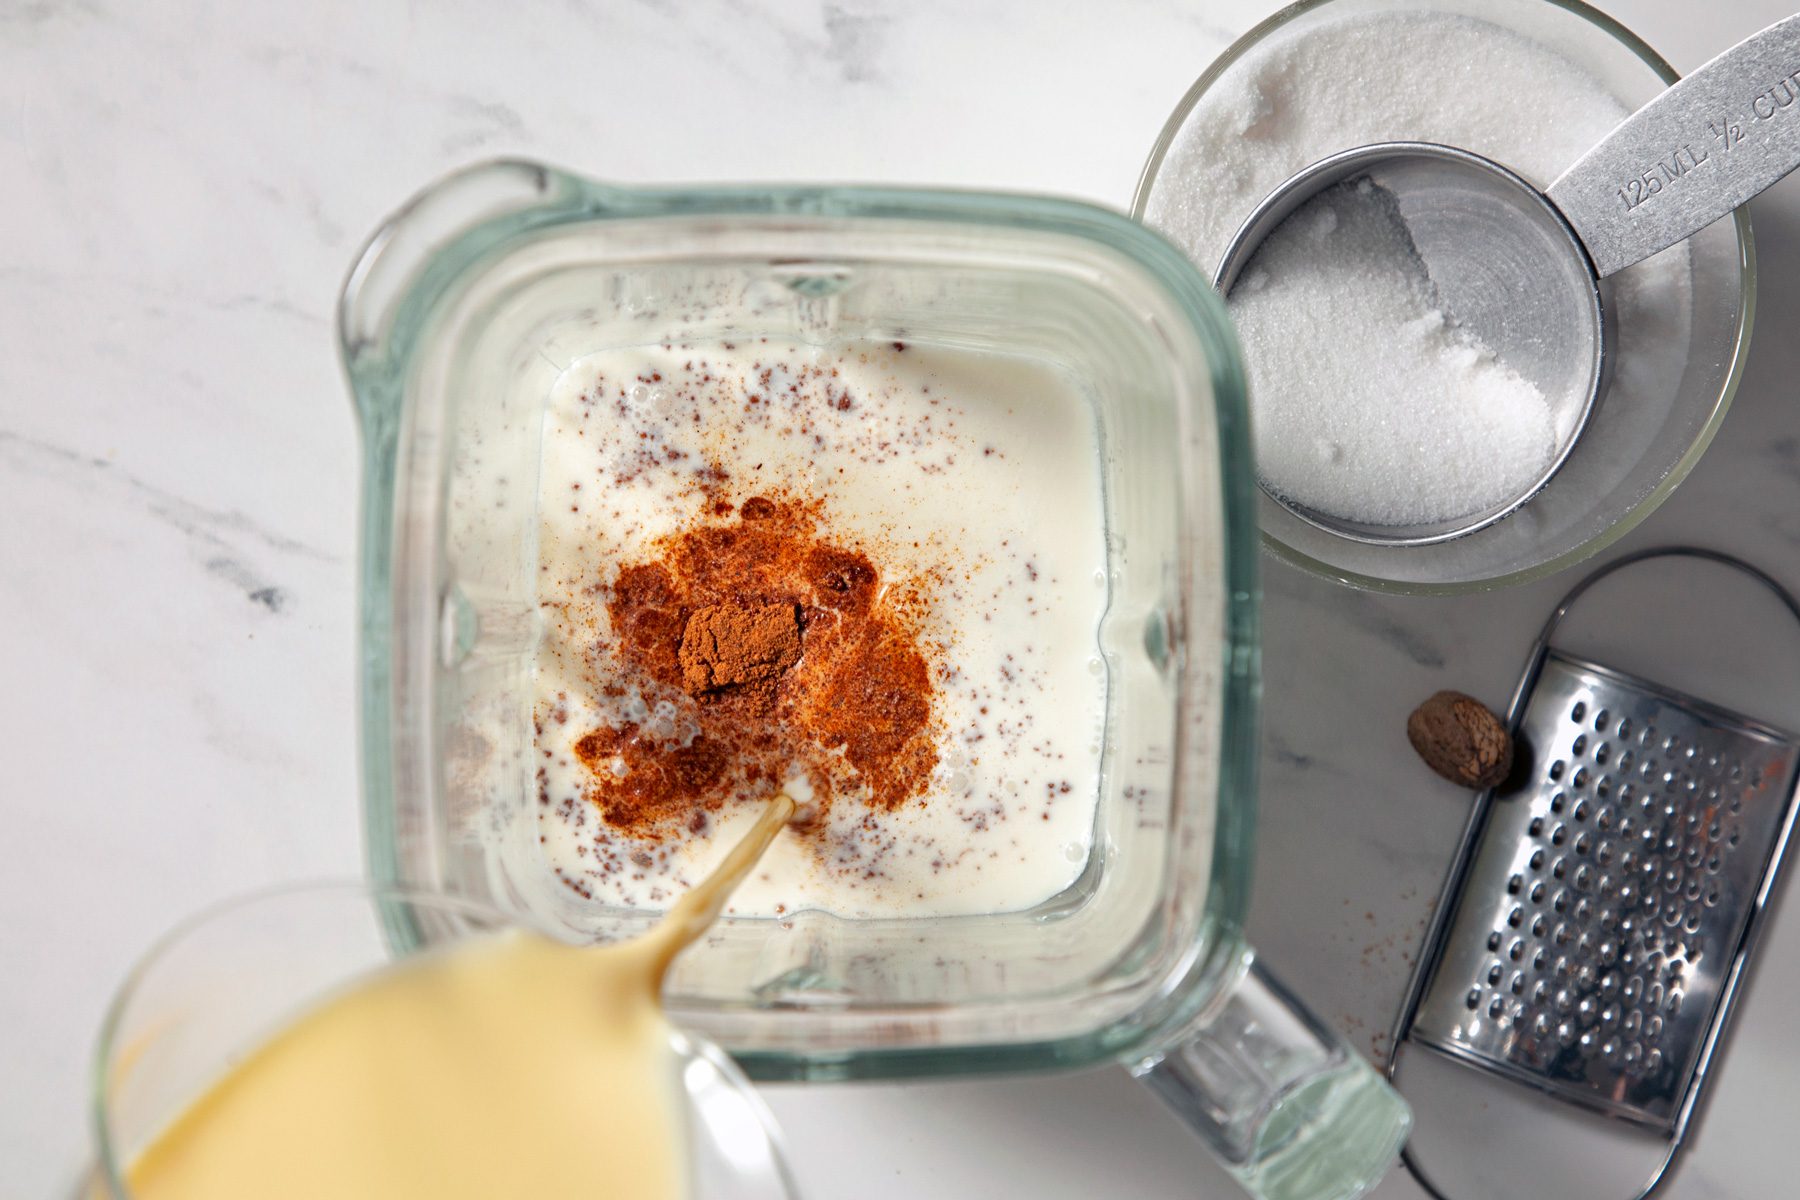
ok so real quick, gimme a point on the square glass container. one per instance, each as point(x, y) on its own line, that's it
point(473, 299)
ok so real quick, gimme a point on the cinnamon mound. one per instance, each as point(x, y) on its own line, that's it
point(764, 649)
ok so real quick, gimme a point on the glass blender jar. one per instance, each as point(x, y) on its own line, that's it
point(471, 300)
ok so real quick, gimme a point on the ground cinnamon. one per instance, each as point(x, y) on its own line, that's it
point(779, 652)
point(738, 645)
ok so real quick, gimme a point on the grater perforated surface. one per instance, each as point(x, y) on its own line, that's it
point(1607, 899)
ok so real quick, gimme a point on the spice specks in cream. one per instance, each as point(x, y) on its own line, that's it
point(865, 574)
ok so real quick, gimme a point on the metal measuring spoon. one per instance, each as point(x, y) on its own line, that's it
point(1521, 268)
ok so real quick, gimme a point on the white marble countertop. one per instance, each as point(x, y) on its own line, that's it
point(184, 184)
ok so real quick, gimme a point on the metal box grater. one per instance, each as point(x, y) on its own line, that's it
point(1592, 933)
point(1608, 896)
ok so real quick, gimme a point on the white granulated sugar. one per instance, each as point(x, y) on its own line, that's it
point(1408, 76)
point(1358, 380)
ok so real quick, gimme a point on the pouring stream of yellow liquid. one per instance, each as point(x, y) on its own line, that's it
point(505, 1066)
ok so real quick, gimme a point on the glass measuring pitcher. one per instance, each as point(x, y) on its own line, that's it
point(458, 316)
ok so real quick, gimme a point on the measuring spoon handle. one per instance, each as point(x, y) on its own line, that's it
point(1715, 139)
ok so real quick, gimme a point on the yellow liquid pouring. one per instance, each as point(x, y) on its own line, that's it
point(507, 1066)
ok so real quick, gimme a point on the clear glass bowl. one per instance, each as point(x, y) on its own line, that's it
point(470, 302)
point(221, 982)
point(1645, 435)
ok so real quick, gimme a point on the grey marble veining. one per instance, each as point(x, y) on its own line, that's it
point(184, 186)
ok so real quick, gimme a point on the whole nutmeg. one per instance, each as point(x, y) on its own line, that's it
point(1461, 740)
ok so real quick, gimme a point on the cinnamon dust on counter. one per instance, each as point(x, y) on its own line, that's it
point(763, 649)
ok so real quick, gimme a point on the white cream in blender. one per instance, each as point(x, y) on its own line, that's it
point(967, 486)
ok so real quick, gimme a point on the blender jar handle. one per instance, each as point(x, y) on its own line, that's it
point(1283, 1101)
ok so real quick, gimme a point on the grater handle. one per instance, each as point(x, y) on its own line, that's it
point(1284, 1102)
